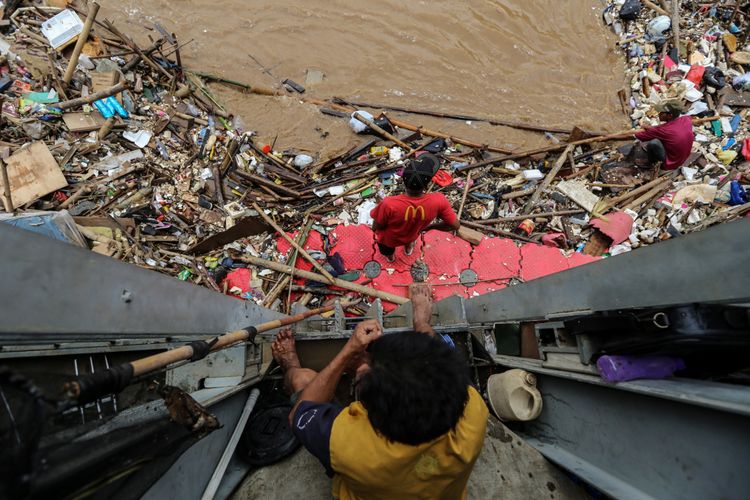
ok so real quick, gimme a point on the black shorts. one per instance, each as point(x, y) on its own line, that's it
point(386, 250)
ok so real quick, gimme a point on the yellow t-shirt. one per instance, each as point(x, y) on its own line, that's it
point(368, 466)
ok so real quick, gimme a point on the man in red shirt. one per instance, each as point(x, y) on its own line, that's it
point(670, 143)
point(398, 220)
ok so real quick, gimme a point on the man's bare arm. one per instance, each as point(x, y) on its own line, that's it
point(321, 389)
point(444, 226)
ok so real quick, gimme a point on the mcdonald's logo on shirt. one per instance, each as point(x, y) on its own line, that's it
point(411, 213)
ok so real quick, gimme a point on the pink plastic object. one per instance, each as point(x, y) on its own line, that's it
point(617, 226)
point(695, 75)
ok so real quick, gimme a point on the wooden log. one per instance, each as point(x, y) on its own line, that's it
point(7, 197)
point(471, 235)
point(294, 244)
point(283, 268)
point(82, 38)
point(73, 103)
point(105, 129)
point(547, 180)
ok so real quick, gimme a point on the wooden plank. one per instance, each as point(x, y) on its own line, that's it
point(83, 122)
point(739, 99)
point(102, 81)
point(578, 192)
point(33, 173)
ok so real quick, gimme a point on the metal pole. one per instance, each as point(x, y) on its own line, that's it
point(221, 467)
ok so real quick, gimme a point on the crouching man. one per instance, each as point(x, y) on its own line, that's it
point(417, 426)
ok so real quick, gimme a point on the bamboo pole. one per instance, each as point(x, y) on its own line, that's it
point(277, 290)
point(635, 192)
point(254, 89)
point(453, 116)
point(649, 194)
point(500, 232)
point(655, 8)
point(283, 268)
point(382, 132)
point(545, 215)
point(463, 198)
point(676, 27)
point(91, 386)
point(294, 244)
point(82, 38)
point(412, 127)
point(557, 147)
point(92, 97)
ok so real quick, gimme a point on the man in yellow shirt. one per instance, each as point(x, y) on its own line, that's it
point(418, 425)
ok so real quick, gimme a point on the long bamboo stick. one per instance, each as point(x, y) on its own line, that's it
point(82, 38)
point(276, 291)
point(92, 97)
point(463, 198)
point(676, 27)
point(294, 244)
point(283, 268)
point(453, 116)
point(382, 132)
point(557, 147)
point(412, 127)
point(635, 192)
point(513, 218)
point(92, 386)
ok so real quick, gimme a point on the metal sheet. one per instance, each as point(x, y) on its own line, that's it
point(634, 445)
point(709, 266)
point(55, 290)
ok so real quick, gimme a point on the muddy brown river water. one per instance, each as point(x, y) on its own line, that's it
point(548, 62)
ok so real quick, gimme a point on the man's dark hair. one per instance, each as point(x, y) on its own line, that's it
point(416, 388)
point(419, 172)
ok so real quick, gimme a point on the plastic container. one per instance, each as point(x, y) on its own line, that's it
point(62, 28)
point(302, 161)
point(613, 368)
point(513, 395)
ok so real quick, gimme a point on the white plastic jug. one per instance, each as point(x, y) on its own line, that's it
point(513, 395)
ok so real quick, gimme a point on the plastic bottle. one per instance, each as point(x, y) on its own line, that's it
point(613, 368)
point(378, 151)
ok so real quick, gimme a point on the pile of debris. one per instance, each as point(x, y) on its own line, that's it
point(120, 148)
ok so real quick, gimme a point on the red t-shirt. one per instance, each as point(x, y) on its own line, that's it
point(677, 137)
point(405, 217)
